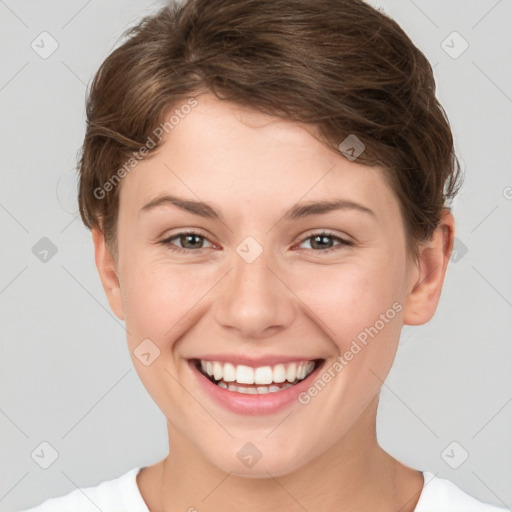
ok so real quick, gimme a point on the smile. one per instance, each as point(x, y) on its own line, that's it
point(256, 380)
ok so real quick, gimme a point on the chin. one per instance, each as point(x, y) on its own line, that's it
point(275, 464)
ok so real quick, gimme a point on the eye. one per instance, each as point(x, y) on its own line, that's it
point(189, 241)
point(323, 242)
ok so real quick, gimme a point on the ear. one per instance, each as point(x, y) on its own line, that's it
point(105, 264)
point(429, 273)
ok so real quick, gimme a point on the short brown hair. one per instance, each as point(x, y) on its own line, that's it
point(340, 65)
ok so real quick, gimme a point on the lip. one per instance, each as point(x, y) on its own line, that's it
point(254, 405)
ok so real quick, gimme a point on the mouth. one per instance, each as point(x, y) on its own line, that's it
point(256, 380)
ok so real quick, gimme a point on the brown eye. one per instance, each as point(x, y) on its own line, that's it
point(325, 242)
point(188, 241)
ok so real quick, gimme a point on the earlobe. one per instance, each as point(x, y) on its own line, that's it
point(105, 264)
point(423, 298)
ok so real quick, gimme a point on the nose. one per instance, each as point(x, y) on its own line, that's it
point(254, 299)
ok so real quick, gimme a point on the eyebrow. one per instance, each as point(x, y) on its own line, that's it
point(297, 212)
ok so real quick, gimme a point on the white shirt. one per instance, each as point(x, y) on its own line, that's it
point(122, 495)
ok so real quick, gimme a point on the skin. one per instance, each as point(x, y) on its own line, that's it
point(294, 299)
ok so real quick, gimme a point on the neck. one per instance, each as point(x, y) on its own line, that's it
point(355, 474)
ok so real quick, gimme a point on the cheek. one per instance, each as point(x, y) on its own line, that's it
point(347, 299)
point(157, 296)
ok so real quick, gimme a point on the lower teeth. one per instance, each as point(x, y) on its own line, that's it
point(259, 390)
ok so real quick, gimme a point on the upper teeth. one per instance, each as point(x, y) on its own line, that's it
point(260, 375)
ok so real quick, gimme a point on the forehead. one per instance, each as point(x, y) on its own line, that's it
point(235, 156)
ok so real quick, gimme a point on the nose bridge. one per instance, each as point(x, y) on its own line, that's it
point(251, 273)
point(253, 300)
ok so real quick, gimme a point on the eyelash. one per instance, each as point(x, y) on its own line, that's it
point(174, 248)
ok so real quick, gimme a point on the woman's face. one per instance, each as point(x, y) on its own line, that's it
point(263, 284)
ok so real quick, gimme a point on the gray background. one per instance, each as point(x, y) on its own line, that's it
point(66, 375)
